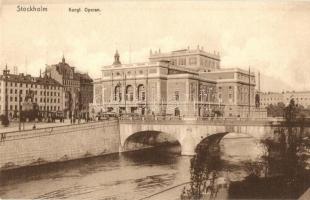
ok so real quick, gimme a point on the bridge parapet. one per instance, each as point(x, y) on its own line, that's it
point(223, 122)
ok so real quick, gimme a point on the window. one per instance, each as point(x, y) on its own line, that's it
point(141, 93)
point(177, 95)
point(182, 61)
point(193, 61)
point(117, 93)
point(173, 62)
point(129, 93)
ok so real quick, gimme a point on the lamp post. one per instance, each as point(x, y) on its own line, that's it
point(202, 100)
point(209, 98)
point(45, 100)
point(126, 95)
point(5, 73)
point(19, 108)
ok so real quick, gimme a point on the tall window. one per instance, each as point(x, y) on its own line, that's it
point(141, 92)
point(177, 95)
point(117, 93)
point(182, 61)
point(192, 90)
point(193, 61)
point(129, 93)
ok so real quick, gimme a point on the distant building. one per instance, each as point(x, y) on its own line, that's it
point(78, 88)
point(46, 93)
point(195, 59)
point(86, 92)
point(180, 83)
point(300, 97)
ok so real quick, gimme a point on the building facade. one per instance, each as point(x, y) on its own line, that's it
point(180, 83)
point(78, 88)
point(46, 93)
point(195, 59)
point(235, 90)
point(86, 93)
point(300, 97)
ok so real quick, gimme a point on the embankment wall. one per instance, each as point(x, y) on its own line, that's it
point(56, 144)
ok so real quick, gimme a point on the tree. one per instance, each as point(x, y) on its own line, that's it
point(287, 155)
point(283, 171)
point(276, 110)
point(204, 169)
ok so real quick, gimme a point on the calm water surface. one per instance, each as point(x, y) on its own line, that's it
point(132, 175)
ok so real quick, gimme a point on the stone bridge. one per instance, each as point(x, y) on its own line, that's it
point(190, 133)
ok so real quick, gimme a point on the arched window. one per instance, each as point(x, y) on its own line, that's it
point(176, 111)
point(141, 93)
point(117, 93)
point(129, 93)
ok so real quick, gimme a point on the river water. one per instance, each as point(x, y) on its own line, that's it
point(133, 175)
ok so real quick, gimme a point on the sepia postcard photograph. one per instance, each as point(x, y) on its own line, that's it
point(145, 100)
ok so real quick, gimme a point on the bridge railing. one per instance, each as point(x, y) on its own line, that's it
point(154, 119)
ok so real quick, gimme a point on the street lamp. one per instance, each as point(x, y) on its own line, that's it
point(19, 108)
point(5, 73)
point(209, 97)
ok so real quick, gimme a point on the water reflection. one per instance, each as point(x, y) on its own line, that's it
point(160, 173)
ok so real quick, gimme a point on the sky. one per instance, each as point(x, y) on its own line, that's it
point(273, 38)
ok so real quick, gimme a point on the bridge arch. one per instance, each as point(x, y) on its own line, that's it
point(145, 139)
point(189, 134)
